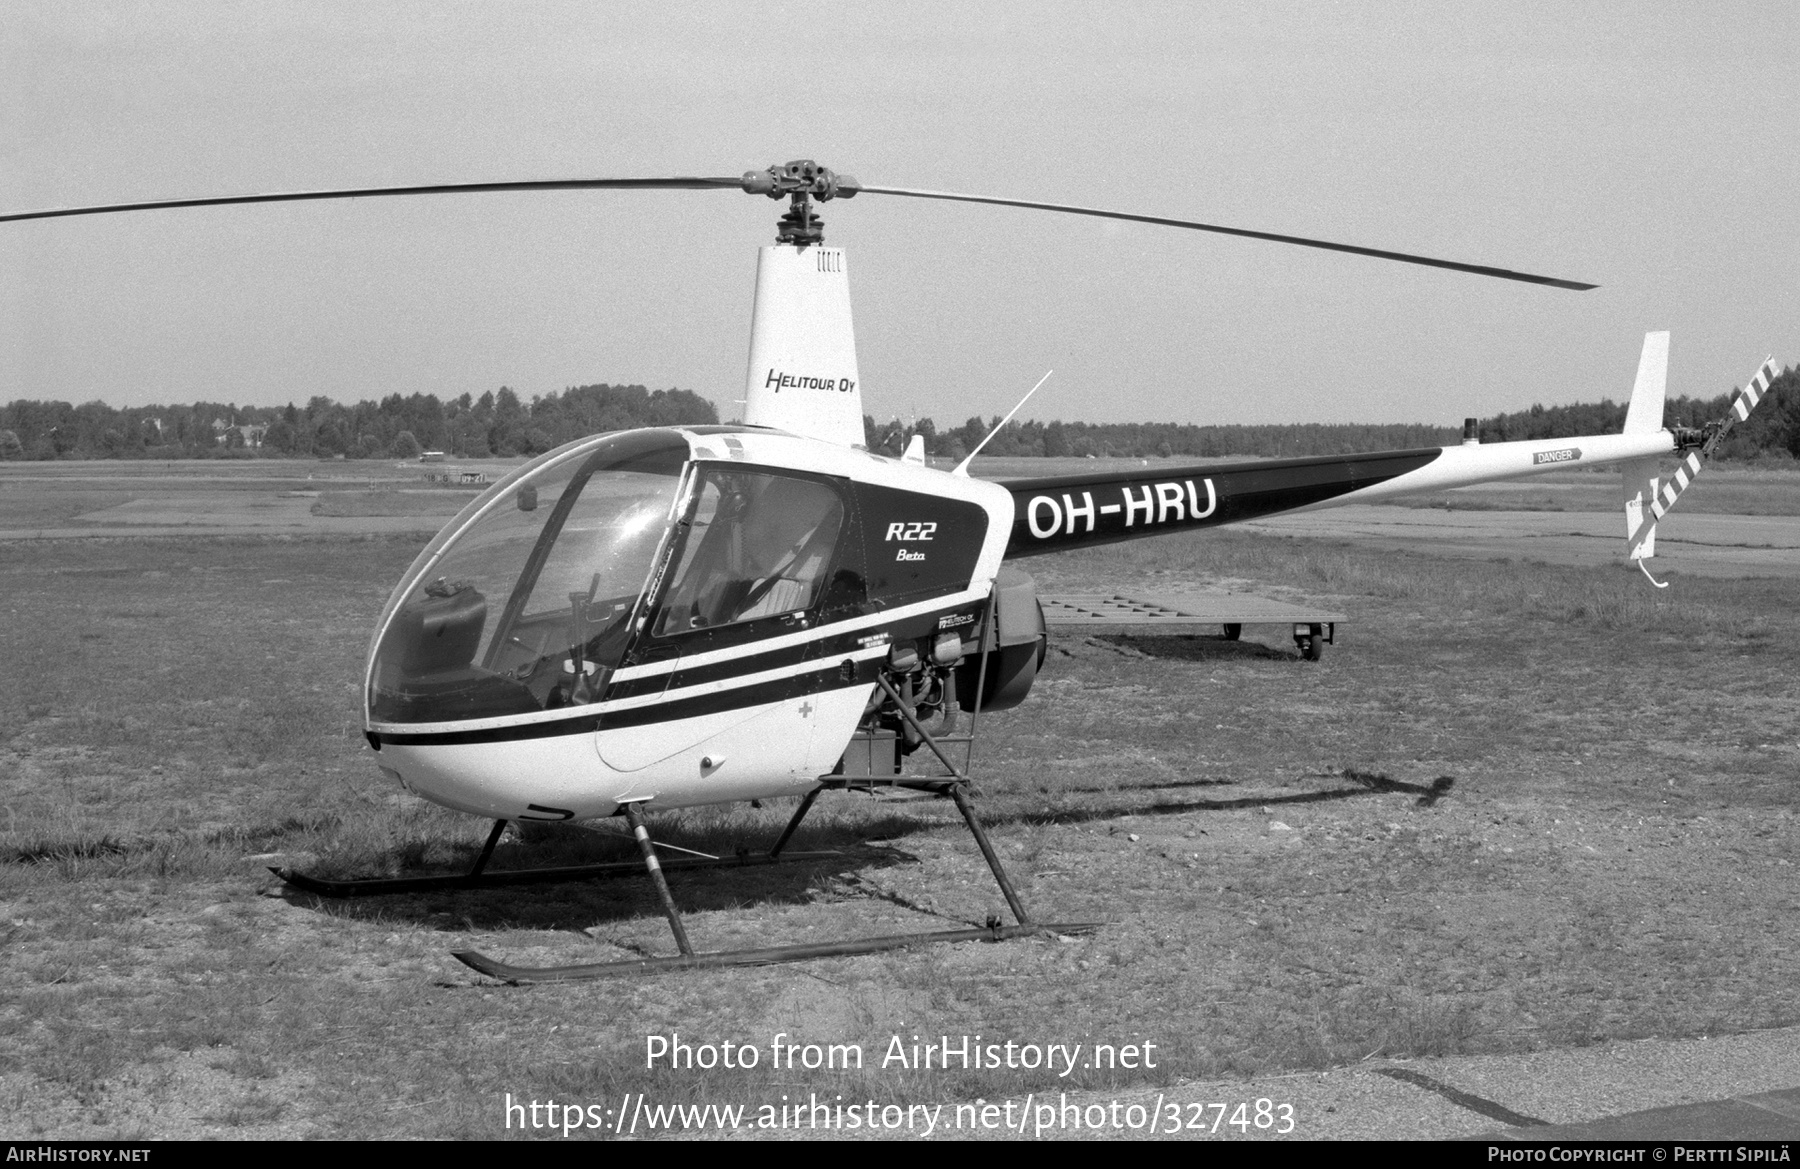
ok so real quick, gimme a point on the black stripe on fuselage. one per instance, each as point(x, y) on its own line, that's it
point(1053, 513)
point(829, 650)
point(747, 662)
point(584, 723)
point(745, 658)
point(829, 675)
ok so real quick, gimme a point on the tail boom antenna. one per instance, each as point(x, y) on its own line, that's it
point(962, 468)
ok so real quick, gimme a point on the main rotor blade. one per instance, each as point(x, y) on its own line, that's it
point(1326, 245)
point(674, 184)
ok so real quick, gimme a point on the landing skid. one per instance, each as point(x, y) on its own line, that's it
point(688, 959)
point(993, 932)
point(953, 786)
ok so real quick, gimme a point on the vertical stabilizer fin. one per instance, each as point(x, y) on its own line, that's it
point(803, 377)
point(1645, 414)
point(1638, 481)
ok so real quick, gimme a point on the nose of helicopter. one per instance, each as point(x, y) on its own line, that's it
point(522, 605)
point(553, 778)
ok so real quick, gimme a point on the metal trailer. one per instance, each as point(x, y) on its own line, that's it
point(1313, 628)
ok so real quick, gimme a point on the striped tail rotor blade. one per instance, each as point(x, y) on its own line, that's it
point(1686, 473)
point(1753, 393)
point(1747, 400)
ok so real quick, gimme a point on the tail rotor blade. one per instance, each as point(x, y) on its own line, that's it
point(1747, 400)
point(1684, 476)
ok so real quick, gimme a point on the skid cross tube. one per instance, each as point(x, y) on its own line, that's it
point(799, 815)
point(958, 792)
point(487, 850)
point(987, 851)
point(635, 814)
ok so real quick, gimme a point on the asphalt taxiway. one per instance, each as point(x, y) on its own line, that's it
point(1709, 545)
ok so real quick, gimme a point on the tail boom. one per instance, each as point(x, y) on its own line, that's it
point(1465, 466)
point(1054, 513)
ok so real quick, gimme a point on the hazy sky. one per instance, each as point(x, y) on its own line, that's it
point(1653, 149)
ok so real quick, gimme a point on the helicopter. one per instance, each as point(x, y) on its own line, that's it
point(665, 618)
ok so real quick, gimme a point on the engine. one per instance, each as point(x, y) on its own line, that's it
point(939, 677)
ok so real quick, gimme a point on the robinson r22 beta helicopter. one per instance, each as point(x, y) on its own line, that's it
point(671, 617)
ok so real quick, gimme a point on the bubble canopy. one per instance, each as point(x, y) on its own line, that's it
point(526, 601)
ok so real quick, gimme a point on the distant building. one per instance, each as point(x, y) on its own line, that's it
point(252, 435)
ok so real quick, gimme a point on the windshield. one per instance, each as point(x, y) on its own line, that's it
point(529, 605)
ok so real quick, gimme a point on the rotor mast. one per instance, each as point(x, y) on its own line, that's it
point(802, 376)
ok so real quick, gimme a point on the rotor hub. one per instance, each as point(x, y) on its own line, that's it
point(800, 182)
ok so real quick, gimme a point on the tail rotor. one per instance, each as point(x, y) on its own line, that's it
point(1648, 497)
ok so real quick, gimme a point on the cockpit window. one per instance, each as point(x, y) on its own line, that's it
point(529, 606)
point(756, 545)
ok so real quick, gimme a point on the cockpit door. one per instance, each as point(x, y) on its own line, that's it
point(761, 558)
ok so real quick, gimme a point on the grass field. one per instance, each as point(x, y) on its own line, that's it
point(1517, 807)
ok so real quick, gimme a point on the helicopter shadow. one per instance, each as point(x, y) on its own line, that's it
point(857, 850)
point(1367, 784)
point(585, 904)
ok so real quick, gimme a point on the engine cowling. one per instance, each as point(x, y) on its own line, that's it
point(1003, 675)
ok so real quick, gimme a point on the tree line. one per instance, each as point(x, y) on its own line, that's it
point(1033, 439)
point(500, 425)
point(495, 425)
point(1773, 432)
